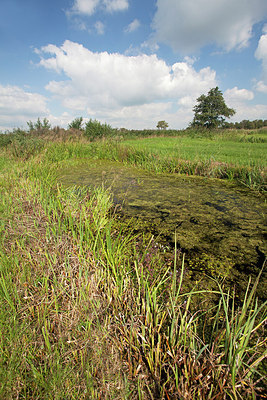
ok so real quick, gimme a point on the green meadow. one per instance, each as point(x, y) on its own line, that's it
point(92, 310)
point(220, 149)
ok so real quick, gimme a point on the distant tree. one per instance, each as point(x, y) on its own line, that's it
point(162, 125)
point(228, 125)
point(30, 125)
point(246, 124)
point(211, 109)
point(46, 124)
point(39, 126)
point(76, 123)
point(260, 123)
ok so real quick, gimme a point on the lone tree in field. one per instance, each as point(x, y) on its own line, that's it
point(162, 125)
point(211, 109)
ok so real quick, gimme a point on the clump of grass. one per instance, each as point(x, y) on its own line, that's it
point(163, 345)
point(51, 322)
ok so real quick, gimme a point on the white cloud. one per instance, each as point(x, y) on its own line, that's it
point(86, 7)
point(236, 95)
point(111, 82)
point(133, 26)
point(100, 28)
point(62, 120)
point(261, 54)
point(19, 106)
point(187, 102)
point(250, 112)
point(138, 117)
point(261, 87)
point(89, 7)
point(187, 25)
point(147, 116)
point(240, 100)
point(116, 5)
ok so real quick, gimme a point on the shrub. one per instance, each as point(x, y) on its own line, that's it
point(24, 145)
point(5, 139)
point(76, 123)
point(95, 130)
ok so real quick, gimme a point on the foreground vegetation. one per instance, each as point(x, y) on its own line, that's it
point(89, 312)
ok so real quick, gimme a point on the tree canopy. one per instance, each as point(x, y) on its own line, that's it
point(211, 110)
point(162, 125)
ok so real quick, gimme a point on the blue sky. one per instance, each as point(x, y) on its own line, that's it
point(130, 63)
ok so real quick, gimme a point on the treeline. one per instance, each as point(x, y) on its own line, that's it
point(93, 130)
point(246, 124)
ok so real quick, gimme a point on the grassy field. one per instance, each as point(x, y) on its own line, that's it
point(89, 312)
point(220, 148)
point(239, 156)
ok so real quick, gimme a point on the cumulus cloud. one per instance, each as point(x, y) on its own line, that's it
point(86, 7)
point(138, 117)
point(133, 26)
point(89, 7)
point(112, 81)
point(116, 5)
point(61, 120)
point(250, 112)
point(240, 100)
point(261, 87)
point(19, 105)
point(147, 116)
point(236, 95)
point(261, 54)
point(187, 25)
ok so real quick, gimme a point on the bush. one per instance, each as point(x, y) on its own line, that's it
point(24, 145)
point(96, 130)
point(5, 139)
point(76, 123)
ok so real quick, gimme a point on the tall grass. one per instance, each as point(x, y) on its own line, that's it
point(52, 340)
point(252, 176)
point(224, 154)
point(85, 314)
